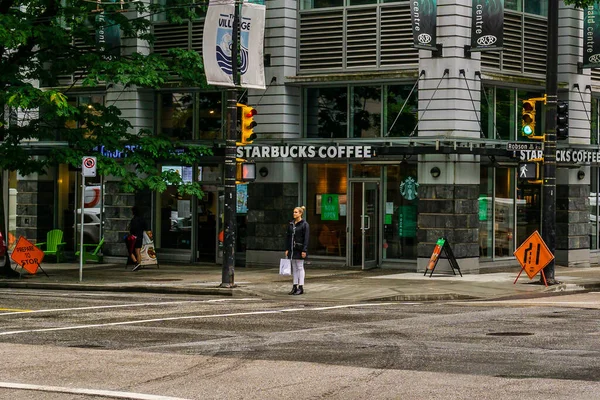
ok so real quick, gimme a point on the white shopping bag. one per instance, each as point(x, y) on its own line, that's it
point(285, 266)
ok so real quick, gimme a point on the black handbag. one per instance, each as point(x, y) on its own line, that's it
point(298, 246)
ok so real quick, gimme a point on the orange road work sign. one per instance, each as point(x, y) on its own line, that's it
point(27, 255)
point(533, 254)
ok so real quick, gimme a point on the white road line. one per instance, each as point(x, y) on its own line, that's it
point(123, 306)
point(94, 392)
point(144, 321)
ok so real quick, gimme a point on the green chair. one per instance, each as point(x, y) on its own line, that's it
point(53, 244)
point(93, 255)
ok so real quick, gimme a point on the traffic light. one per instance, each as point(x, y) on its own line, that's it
point(562, 120)
point(528, 119)
point(248, 124)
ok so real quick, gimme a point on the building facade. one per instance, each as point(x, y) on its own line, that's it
point(388, 147)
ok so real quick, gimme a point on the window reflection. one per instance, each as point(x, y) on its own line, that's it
point(326, 112)
point(401, 124)
point(176, 119)
point(366, 111)
point(400, 213)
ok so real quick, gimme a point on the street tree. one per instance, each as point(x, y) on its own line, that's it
point(41, 42)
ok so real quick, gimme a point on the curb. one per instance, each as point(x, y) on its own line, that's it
point(128, 288)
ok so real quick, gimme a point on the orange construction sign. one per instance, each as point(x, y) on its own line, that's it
point(27, 255)
point(533, 255)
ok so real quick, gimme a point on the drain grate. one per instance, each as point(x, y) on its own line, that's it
point(510, 334)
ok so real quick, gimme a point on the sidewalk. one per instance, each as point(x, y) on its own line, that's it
point(322, 284)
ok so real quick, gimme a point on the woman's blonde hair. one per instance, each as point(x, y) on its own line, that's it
point(301, 209)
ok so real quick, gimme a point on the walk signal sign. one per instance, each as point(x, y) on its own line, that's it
point(533, 255)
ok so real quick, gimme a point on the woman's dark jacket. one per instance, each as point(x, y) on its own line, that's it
point(300, 239)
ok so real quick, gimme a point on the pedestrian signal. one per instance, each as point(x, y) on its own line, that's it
point(528, 118)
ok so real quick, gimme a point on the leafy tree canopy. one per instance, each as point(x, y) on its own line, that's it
point(42, 41)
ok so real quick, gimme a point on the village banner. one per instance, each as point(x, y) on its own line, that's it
point(424, 25)
point(487, 25)
point(217, 41)
point(591, 36)
point(252, 35)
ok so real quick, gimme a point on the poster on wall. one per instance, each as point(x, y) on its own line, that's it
point(330, 207)
point(487, 25)
point(242, 198)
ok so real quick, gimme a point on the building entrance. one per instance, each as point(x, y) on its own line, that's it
point(364, 223)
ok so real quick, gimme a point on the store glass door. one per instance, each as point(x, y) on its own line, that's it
point(364, 224)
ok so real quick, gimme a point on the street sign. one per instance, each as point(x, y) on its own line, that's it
point(442, 245)
point(88, 166)
point(27, 255)
point(519, 146)
point(528, 170)
point(533, 255)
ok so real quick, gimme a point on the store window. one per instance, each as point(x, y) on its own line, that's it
point(504, 212)
point(400, 212)
point(326, 112)
point(486, 216)
point(501, 112)
point(366, 111)
point(372, 111)
point(326, 208)
point(187, 116)
point(401, 111)
point(175, 222)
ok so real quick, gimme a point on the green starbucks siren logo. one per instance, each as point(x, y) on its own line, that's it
point(408, 188)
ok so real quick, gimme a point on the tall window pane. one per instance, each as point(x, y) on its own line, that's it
point(328, 230)
point(400, 212)
point(177, 115)
point(504, 212)
point(209, 115)
point(486, 217)
point(594, 208)
point(310, 4)
point(505, 113)
point(401, 124)
point(366, 111)
point(326, 112)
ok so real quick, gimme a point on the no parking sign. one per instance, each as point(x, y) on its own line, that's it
point(88, 166)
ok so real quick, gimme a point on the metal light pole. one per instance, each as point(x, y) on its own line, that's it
point(549, 183)
point(230, 222)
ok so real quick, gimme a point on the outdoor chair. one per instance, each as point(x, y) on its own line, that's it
point(93, 255)
point(53, 244)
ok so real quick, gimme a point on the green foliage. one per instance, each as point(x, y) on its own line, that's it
point(41, 42)
point(580, 3)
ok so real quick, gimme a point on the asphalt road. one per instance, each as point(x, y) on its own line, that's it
point(74, 345)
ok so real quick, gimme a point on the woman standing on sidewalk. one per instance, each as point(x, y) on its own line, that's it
point(297, 248)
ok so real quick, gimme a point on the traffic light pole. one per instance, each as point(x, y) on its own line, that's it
point(229, 215)
point(549, 181)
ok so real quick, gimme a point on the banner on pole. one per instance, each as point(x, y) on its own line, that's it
point(252, 34)
point(591, 36)
point(217, 42)
point(487, 25)
point(424, 24)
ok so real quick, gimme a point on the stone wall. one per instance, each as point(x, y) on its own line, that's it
point(572, 217)
point(449, 211)
point(35, 210)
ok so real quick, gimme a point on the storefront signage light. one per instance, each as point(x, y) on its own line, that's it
point(299, 151)
point(566, 155)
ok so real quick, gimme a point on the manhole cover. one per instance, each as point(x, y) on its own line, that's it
point(510, 334)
